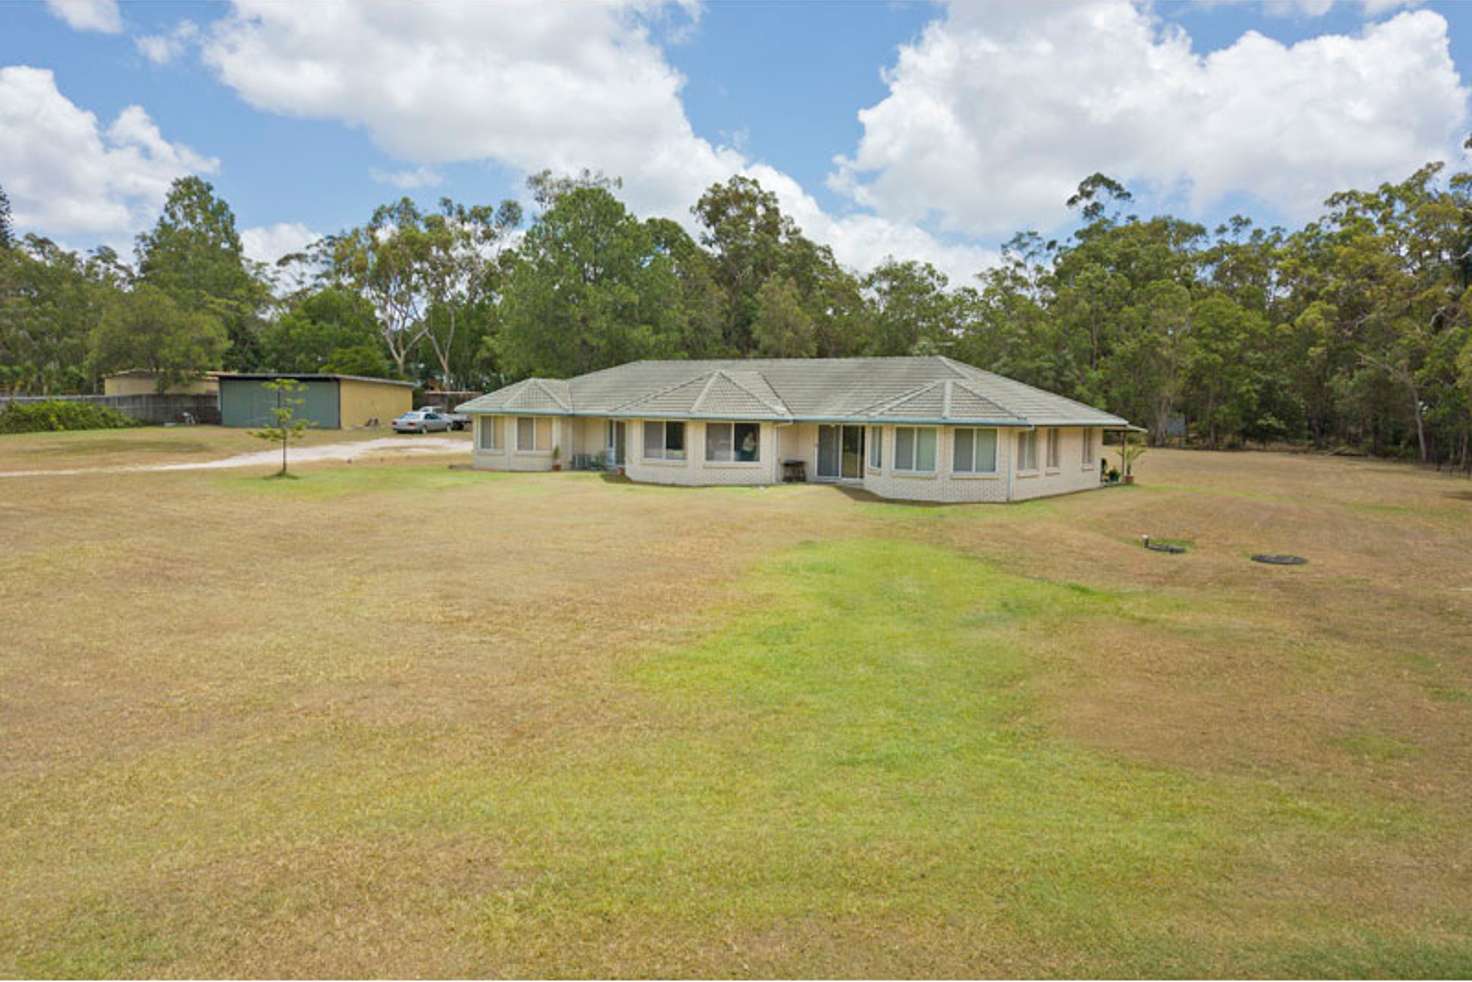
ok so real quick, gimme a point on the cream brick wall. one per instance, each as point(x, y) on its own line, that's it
point(943, 485)
point(695, 470)
point(1070, 475)
point(799, 442)
point(1006, 484)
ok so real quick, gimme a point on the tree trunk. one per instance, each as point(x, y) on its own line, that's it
point(1420, 423)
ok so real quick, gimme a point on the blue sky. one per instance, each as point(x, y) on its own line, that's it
point(977, 119)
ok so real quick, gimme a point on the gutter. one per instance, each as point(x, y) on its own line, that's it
point(1010, 423)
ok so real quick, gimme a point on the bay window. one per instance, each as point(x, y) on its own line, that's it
point(914, 449)
point(975, 451)
point(1027, 450)
point(533, 433)
point(739, 442)
point(664, 440)
point(490, 433)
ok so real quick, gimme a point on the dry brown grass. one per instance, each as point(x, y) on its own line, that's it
point(321, 727)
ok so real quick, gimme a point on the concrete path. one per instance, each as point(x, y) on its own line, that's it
point(266, 458)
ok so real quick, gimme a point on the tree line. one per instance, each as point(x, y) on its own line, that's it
point(1354, 331)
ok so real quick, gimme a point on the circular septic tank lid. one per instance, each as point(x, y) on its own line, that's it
point(1278, 559)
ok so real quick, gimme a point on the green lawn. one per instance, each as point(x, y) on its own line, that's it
point(650, 731)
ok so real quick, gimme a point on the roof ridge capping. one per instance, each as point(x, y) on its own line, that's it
point(875, 408)
point(645, 397)
point(1008, 380)
point(779, 407)
point(541, 384)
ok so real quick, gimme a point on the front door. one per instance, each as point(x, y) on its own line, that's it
point(614, 442)
point(853, 453)
point(840, 453)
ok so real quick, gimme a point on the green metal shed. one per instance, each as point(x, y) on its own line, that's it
point(244, 400)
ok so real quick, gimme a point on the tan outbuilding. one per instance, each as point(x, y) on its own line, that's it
point(142, 382)
point(328, 401)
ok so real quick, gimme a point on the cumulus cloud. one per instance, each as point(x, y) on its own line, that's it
point(88, 15)
point(67, 175)
point(1374, 8)
point(529, 85)
point(418, 177)
point(1318, 8)
point(996, 113)
point(268, 243)
point(164, 48)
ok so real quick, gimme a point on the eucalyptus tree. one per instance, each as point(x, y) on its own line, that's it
point(461, 275)
point(386, 262)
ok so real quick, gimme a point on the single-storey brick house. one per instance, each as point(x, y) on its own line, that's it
point(921, 428)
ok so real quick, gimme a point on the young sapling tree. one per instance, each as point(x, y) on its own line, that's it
point(285, 427)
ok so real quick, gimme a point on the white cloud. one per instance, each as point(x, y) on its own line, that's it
point(66, 175)
point(164, 48)
point(1374, 8)
point(529, 85)
point(268, 243)
point(418, 177)
point(995, 114)
point(88, 15)
point(1297, 8)
point(1315, 8)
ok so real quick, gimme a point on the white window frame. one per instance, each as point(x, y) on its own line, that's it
point(972, 433)
point(876, 448)
point(910, 466)
point(1086, 456)
point(663, 452)
point(489, 426)
point(1027, 451)
point(730, 457)
point(1054, 452)
point(541, 426)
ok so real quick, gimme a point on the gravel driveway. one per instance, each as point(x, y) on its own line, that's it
point(299, 455)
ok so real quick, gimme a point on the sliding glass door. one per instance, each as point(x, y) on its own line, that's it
point(840, 453)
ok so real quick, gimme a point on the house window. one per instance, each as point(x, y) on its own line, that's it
point(914, 449)
point(974, 452)
point(1027, 450)
point(1053, 442)
point(1088, 455)
point(664, 440)
point(726, 442)
point(490, 433)
point(533, 433)
point(876, 447)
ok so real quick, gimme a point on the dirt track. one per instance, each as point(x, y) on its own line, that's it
point(299, 455)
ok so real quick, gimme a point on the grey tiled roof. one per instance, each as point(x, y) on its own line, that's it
point(918, 389)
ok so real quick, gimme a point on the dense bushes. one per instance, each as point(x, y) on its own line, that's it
point(57, 414)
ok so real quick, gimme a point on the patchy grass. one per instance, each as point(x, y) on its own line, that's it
point(398, 719)
point(156, 445)
point(356, 479)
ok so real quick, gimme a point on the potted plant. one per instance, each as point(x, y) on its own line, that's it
point(1130, 450)
point(556, 457)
